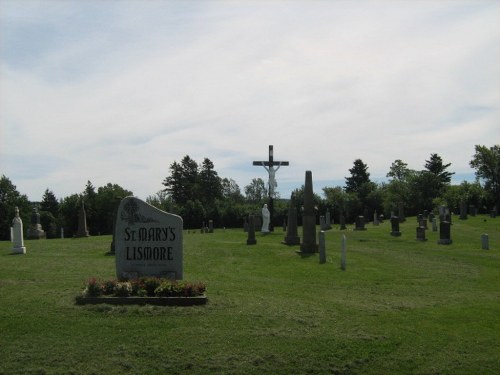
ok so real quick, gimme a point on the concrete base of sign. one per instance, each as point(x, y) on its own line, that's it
point(157, 301)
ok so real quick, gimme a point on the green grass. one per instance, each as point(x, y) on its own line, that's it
point(402, 306)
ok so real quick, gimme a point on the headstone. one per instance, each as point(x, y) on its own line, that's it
point(343, 253)
point(11, 234)
point(284, 225)
point(463, 210)
point(35, 231)
point(472, 210)
point(322, 247)
point(308, 245)
point(401, 213)
point(17, 234)
point(360, 223)
point(82, 222)
point(328, 218)
point(444, 233)
point(62, 233)
point(434, 224)
point(442, 213)
point(251, 231)
point(292, 237)
point(485, 242)
point(266, 215)
point(493, 213)
point(381, 218)
point(421, 234)
point(395, 226)
point(322, 222)
point(210, 226)
point(375, 219)
point(245, 225)
point(342, 222)
point(148, 241)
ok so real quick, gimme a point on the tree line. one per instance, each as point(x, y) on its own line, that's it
point(197, 193)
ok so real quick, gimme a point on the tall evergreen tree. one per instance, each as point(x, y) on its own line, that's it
point(49, 203)
point(359, 177)
point(435, 166)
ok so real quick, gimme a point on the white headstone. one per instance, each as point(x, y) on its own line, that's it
point(148, 241)
point(17, 235)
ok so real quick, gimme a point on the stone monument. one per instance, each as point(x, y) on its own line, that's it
point(17, 234)
point(308, 245)
point(395, 226)
point(292, 237)
point(82, 222)
point(148, 241)
point(35, 231)
point(360, 223)
point(266, 215)
point(251, 231)
point(444, 233)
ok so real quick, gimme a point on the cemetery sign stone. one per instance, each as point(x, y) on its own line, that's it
point(148, 241)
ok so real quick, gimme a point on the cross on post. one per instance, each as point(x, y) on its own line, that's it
point(270, 165)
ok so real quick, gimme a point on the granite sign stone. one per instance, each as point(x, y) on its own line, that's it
point(148, 241)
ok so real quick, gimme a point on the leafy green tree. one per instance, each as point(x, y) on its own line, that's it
point(10, 198)
point(106, 203)
point(231, 191)
point(398, 170)
point(68, 214)
point(161, 200)
point(256, 191)
point(486, 162)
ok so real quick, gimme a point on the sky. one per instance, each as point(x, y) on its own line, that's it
point(116, 91)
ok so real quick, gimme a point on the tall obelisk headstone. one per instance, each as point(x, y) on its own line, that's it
point(308, 245)
point(82, 222)
point(17, 234)
point(148, 241)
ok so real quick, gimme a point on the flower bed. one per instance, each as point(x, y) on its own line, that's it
point(145, 290)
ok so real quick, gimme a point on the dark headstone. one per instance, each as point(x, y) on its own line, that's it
point(308, 245)
point(444, 233)
point(251, 231)
point(292, 237)
point(360, 223)
point(395, 226)
point(421, 234)
point(82, 222)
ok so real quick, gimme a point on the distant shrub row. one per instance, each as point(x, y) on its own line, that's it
point(143, 287)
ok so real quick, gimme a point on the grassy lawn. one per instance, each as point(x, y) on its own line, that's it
point(402, 306)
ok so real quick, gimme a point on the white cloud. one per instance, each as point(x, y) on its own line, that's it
point(118, 91)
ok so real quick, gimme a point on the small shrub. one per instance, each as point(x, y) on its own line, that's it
point(93, 288)
point(150, 285)
point(108, 287)
point(123, 289)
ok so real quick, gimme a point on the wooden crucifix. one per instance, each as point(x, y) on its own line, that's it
point(271, 167)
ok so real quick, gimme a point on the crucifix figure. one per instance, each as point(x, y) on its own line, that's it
point(270, 165)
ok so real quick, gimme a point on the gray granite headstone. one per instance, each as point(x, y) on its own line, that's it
point(485, 242)
point(251, 231)
point(322, 247)
point(444, 233)
point(292, 237)
point(148, 241)
point(395, 226)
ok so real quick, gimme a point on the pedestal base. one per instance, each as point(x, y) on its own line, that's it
point(19, 250)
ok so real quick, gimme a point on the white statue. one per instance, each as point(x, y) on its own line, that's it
point(266, 216)
point(272, 180)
